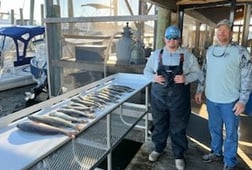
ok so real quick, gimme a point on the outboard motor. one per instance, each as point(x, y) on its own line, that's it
point(38, 66)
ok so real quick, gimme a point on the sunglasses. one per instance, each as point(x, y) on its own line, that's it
point(172, 38)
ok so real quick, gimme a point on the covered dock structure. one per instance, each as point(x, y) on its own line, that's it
point(70, 38)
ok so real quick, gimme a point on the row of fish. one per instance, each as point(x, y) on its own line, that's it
point(71, 118)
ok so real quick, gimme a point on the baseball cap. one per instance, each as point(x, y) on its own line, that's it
point(226, 22)
point(172, 32)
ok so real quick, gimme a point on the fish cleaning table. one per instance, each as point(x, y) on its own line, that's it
point(95, 141)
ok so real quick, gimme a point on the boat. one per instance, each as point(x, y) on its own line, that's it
point(17, 49)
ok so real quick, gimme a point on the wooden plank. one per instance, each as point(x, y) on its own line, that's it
point(168, 4)
point(98, 66)
point(201, 18)
point(101, 19)
point(187, 2)
point(190, 2)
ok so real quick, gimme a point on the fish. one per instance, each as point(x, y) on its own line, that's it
point(118, 90)
point(76, 113)
point(83, 102)
point(96, 99)
point(93, 99)
point(54, 121)
point(107, 99)
point(44, 129)
point(67, 117)
point(90, 103)
point(90, 109)
point(77, 104)
point(112, 92)
point(108, 95)
point(121, 88)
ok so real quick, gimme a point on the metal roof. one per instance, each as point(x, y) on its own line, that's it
point(206, 11)
point(172, 4)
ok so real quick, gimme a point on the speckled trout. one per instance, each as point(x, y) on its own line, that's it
point(53, 121)
point(76, 113)
point(121, 88)
point(44, 129)
point(75, 102)
point(107, 98)
point(90, 103)
point(67, 117)
point(79, 108)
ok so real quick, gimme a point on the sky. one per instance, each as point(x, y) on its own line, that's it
point(7, 5)
point(89, 11)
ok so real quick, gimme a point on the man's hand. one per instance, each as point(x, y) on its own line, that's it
point(159, 79)
point(198, 98)
point(179, 79)
point(238, 108)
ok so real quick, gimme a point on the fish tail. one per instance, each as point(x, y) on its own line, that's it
point(71, 134)
point(83, 121)
point(78, 127)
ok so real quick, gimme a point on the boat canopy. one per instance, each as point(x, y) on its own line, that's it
point(22, 34)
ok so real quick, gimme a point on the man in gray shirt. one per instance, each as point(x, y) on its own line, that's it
point(227, 84)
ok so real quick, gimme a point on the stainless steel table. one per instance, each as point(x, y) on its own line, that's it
point(93, 143)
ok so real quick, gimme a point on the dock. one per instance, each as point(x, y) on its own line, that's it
point(133, 152)
point(192, 156)
point(199, 140)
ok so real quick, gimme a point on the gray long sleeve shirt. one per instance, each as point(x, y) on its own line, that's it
point(191, 68)
point(227, 74)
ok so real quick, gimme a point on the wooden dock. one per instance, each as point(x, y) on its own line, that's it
point(166, 161)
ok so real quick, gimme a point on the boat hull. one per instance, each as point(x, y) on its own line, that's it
point(20, 76)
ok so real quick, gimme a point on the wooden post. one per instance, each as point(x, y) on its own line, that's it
point(70, 14)
point(54, 49)
point(42, 14)
point(232, 11)
point(180, 20)
point(21, 16)
point(140, 29)
point(12, 17)
point(164, 19)
point(197, 39)
point(31, 12)
point(247, 13)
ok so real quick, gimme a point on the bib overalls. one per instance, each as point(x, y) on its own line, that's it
point(171, 109)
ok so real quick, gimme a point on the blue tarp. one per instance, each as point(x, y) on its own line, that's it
point(17, 34)
point(248, 109)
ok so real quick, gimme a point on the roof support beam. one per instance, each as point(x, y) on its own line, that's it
point(247, 14)
point(232, 11)
point(167, 4)
point(201, 18)
point(181, 18)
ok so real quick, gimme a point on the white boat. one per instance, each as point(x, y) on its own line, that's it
point(16, 51)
